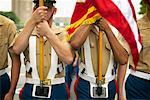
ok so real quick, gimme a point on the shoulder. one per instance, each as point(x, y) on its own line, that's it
point(59, 31)
point(143, 23)
point(62, 34)
point(6, 21)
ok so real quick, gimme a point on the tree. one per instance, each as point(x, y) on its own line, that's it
point(142, 8)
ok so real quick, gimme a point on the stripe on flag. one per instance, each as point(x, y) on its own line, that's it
point(121, 15)
point(84, 13)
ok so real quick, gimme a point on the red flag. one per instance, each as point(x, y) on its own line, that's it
point(84, 13)
point(121, 15)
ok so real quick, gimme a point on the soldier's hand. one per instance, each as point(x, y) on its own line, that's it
point(39, 14)
point(8, 96)
point(43, 28)
point(102, 24)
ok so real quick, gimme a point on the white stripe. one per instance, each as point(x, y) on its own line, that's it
point(32, 55)
point(126, 10)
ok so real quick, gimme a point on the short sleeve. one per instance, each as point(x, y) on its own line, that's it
point(12, 34)
point(63, 38)
point(123, 42)
point(125, 45)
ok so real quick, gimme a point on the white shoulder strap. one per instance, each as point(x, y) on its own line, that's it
point(32, 55)
point(88, 59)
point(54, 64)
point(110, 66)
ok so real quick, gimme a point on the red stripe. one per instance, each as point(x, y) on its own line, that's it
point(71, 30)
point(112, 13)
point(134, 15)
point(80, 10)
point(77, 14)
point(21, 92)
point(75, 87)
point(117, 86)
point(68, 90)
point(92, 14)
point(132, 7)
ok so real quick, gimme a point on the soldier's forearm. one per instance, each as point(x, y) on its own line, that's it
point(80, 36)
point(15, 71)
point(23, 38)
point(119, 52)
point(120, 77)
point(61, 48)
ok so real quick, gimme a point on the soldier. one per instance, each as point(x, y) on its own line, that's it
point(85, 39)
point(138, 82)
point(7, 35)
point(55, 45)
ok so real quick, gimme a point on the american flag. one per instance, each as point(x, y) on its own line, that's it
point(119, 13)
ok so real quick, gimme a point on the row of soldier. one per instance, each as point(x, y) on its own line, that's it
point(77, 79)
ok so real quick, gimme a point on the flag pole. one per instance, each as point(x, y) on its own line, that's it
point(41, 3)
point(100, 58)
point(99, 79)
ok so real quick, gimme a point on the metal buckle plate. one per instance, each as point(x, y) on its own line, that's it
point(99, 91)
point(41, 92)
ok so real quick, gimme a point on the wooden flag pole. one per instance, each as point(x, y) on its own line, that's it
point(41, 3)
point(100, 57)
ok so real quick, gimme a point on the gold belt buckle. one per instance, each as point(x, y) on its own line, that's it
point(47, 82)
point(100, 81)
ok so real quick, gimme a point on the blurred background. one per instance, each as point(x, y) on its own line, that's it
point(20, 10)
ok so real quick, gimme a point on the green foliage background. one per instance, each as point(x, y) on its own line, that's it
point(142, 8)
point(11, 15)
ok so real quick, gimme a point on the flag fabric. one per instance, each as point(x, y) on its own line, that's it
point(121, 15)
point(84, 13)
